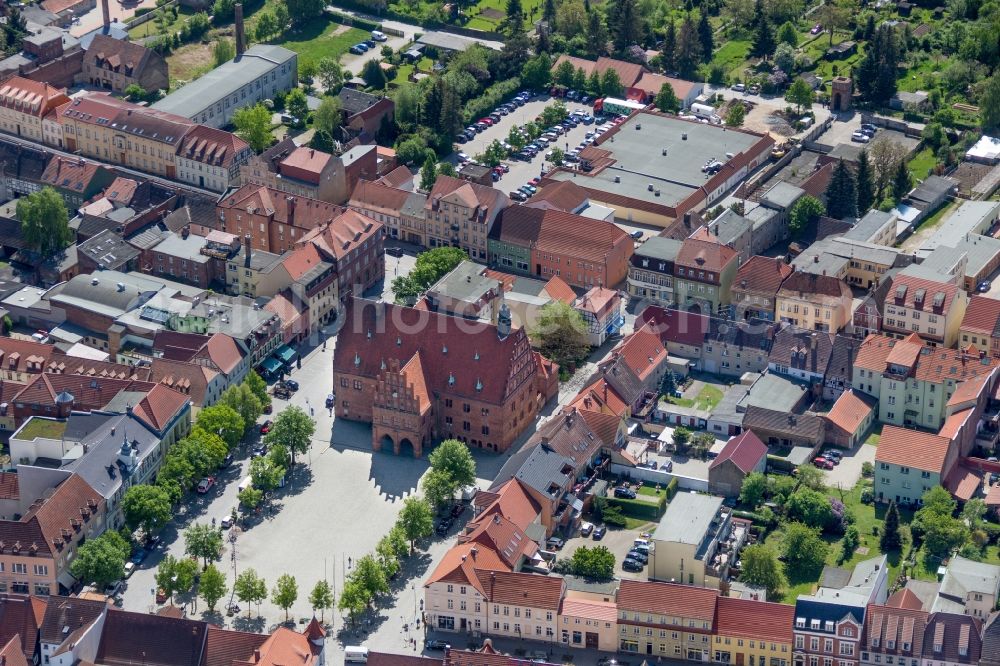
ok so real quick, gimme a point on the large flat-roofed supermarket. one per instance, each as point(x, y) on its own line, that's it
point(649, 169)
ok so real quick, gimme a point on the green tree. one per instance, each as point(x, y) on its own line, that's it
point(266, 26)
point(850, 543)
point(416, 518)
point(250, 497)
point(687, 55)
point(204, 541)
point(370, 576)
point(250, 588)
point(890, 538)
point(281, 16)
point(753, 489)
point(597, 563)
point(787, 34)
point(258, 387)
point(865, 183)
point(876, 73)
point(353, 598)
point(101, 561)
point(705, 36)
point(453, 461)
point(537, 72)
point(625, 22)
point(285, 592)
point(292, 429)
point(761, 38)
point(428, 173)
point(800, 94)
point(301, 11)
point(331, 77)
point(761, 569)
point(241, 399)
point(561, 334)
point(438, 488)
point(666, 99)
point(736, 114)
point(554, 113)
point(373, 75)
point(989, 104)
point(803, 549)
point(557, 156)
point(264, 474)
point(321, 598)
point(549, 13)
point(597, 34)
point(810, 477)
point(902, 181)
point(224, 421)
point(134, 92)
point(428, 269)
point(176, 574)
point(564, 74)
point(212, 586)
point(447, 169)
point(841, 193)
point(146, 507)
point(611, 84)
point(668, 52)
point(515, 138)
point(253, 125)
point(44, 221)
point(804, 212)
point(223, 51)
point(297, 105)
point(681, 436)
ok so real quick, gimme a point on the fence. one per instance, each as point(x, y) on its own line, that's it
point(148, 16)
point(659, 476)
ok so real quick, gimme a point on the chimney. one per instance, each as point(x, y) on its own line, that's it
point(107, 14)
point(241, 40)
point(185, 231)
point(246, 251)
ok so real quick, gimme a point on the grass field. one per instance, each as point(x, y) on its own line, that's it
point(532, 11)
point(731, 57)
point(922, 163)
point(321, 39)
point(189, 62)
point(152, 27)
point(708, 397)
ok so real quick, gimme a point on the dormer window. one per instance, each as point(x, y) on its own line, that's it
point(800, 623)
point(828, 626)
point(814, 624)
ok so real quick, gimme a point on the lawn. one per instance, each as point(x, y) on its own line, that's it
point(152, 27)
point(48, 428)
point(935, 219)
point(875, 436)
point(708, 397)
point(532, 11)
point(321, 39)
point(922, 163)
point(189, 62)
point(731, 57)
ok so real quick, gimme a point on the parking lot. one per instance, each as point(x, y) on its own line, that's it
point(523, 171)
point(618, 541)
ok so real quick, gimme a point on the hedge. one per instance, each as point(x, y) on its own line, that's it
point(492, 97)
point(672, 488)
point(637, 508)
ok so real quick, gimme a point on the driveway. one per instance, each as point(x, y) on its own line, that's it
point(618, 541)
point(355, 63)
point(847, 474)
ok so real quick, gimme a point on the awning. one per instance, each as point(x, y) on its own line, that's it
point(285, 354)
point(271, 365)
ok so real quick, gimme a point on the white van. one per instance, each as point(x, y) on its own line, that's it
point(356, 654)
point(379, 36)
point(245, 483)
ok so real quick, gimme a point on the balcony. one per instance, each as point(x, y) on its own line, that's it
point(718, 563)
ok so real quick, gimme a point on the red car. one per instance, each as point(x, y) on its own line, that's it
point(822, 463)
point(265, 427)
point(486, 121)
point(534, 181)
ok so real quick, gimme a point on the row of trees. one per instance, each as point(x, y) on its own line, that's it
point(881, 171)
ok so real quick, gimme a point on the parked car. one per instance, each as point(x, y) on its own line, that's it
point(636, 554)
point(206, 484)
point(833, 454)
point(624, 493)
point(394, 251)
point(869, 128)
point(161, 596)
point(555, 543)
point(816, 29)
point(138, 555)
point(443, 527)
point(628, 564)
point(265, 427)
point(822, 463)
point(462, 158)
point(739, 87)
point(379, 36)
point(637, 235)
point(984, 286)
point(259, 451)
point(226, 522)
point(291, 385)
point(129, 569)
point(432, 644)
point(599, 532)
point(228, 460)
point(357, 50)
point(860, 137)
point(586, 529)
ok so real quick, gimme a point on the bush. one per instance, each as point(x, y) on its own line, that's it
point(637, 508)
point(671, 489)
point(142, 11)
point(491, 98)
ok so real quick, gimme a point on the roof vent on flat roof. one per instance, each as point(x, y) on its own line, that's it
point(684, 136)
point(618, 179)
point(649, 187)
point(657, 193)
point(638, 126)
point(664, 152)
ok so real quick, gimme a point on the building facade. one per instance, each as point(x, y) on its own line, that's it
point(24, 106)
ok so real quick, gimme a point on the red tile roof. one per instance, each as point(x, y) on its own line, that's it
point(223, 351)
point(12, 654)
point(398, 177)
point(140, 638)
point(191, 379)
point(301, 260)
point(930, 290)
point(558, 290)
point(598, 300)
point(651, 84)
point(212, 146)
point(850, 410)
point(912, 448)
point(933, 364)
point(628, 72)
point(460, 563)
point(686, 601)
point(762, 274)
point(522, 589)
point(471, 195)
point(344, 234)
point(904, 598)
point(31, 97)
point(600, 396)
point(897, 626)
point(9, 485)
point(754, 620)
point(19, 616)
point(378, 194)
point(301, 212)
point(512, 501)
point(121, 190)
point(305, 164)
point(599, 611)
point(982, 315)
point(970, 390)
point(801, 284)
point(160, 406)
point(558, 232)
point(562, 195)
point(224, 646)
point(74, 174)
point(705, 255)
point(682, 327)
point(642, 351)
point(745, 451)
point(605, 426)
point(963, 482)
